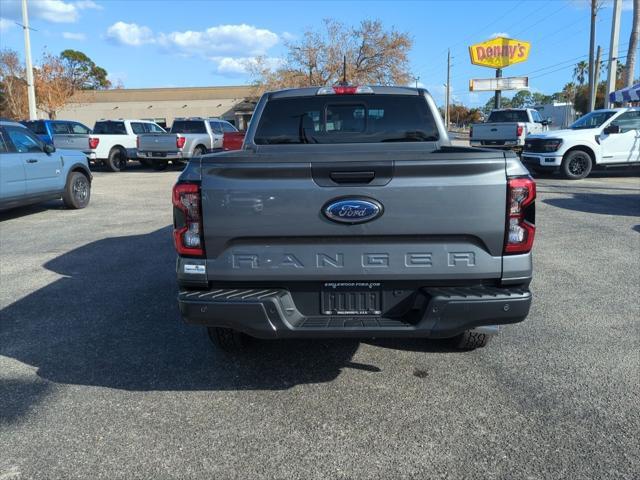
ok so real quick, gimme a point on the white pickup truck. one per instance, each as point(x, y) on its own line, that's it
point(114, 142)
point(508, 128)
point(605, 138)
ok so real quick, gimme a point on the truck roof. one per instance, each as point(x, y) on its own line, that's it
point(378, 89)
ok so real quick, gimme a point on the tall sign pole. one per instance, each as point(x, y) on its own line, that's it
point(498, 95)
point(613, 52)
point(27, 55)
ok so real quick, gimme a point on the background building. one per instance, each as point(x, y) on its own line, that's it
point(234, 104)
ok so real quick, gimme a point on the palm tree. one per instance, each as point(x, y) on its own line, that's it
point(580, 71)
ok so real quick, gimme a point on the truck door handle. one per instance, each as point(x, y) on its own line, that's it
point(352, 177)
point(32, 160)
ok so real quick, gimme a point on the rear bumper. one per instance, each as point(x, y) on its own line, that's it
point(271, 313)
point(166, 155)
point(500, 145)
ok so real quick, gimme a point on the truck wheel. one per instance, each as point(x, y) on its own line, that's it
point(227, 339)
point(117, 160)
point(160, 165)
point(77, 191)
point(576, 165)
point(198, 152)
point(471, 340)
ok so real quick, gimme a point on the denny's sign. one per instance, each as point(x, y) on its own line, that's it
point(499, 52)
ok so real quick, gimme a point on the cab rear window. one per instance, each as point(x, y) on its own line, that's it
point(110, 128)
point(36, 127)
point(330, 119)
point(188, 126)
point(507, 116)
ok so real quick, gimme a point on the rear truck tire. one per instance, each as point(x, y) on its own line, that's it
point(159, 165)
point(227, 339)
point(470, 340)
point(198, 151)
point(77, 191)
point(117, 160)
point(576, 165)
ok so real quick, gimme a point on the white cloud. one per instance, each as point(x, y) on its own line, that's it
point(222, 40)
point(130, 34)
point(6, 24)
point(88, 5)
point(56, 11)
point(500, 34)
point(288, 36)
point(74, 36)
point(232, 66)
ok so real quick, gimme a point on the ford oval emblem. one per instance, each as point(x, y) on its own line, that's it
point(352, 210)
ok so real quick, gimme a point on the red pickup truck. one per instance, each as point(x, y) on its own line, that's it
point(232, 140)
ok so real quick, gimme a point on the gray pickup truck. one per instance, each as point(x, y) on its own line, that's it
point(188, 137)
point(508, 128)
point(347, 213)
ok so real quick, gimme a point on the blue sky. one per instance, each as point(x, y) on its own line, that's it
point(198, 43)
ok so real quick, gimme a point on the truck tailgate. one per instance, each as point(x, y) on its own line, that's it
point(72, 142)
point(442, 215)
point(157, 142)
point(495, 131)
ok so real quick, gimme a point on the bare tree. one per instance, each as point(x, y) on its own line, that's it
point(633, 46)
point(13, 87)
point(54, 86)
point(373, 56)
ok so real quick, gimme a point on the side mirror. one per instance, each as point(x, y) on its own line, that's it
point(612, 129)
point(49, 149)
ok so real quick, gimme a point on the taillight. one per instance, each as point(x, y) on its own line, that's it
point(521, 229)
point(344, 90)
point(519, 131)
point(180, 141)
point(187, 219)
point(93, 143)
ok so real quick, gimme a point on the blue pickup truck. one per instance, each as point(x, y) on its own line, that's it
point(65, 134)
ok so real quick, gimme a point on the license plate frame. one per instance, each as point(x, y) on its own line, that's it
point(158, 154)
point(351, 298)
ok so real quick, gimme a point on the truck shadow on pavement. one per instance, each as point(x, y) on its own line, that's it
point(112, 320)
point(599, 203)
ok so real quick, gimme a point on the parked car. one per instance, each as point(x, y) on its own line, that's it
point(113, 142)
point(507, 128)
point(348, 213)
point(607, 138)
point(188, 137)
point(32, 171)
point(65, 134)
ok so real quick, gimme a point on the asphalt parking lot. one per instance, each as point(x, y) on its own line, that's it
point(99, 378)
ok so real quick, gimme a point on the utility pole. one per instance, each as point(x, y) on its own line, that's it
point(447, 93)
point(596, 75)
point(27, 56)
point(613, 52)
point(592, 42)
